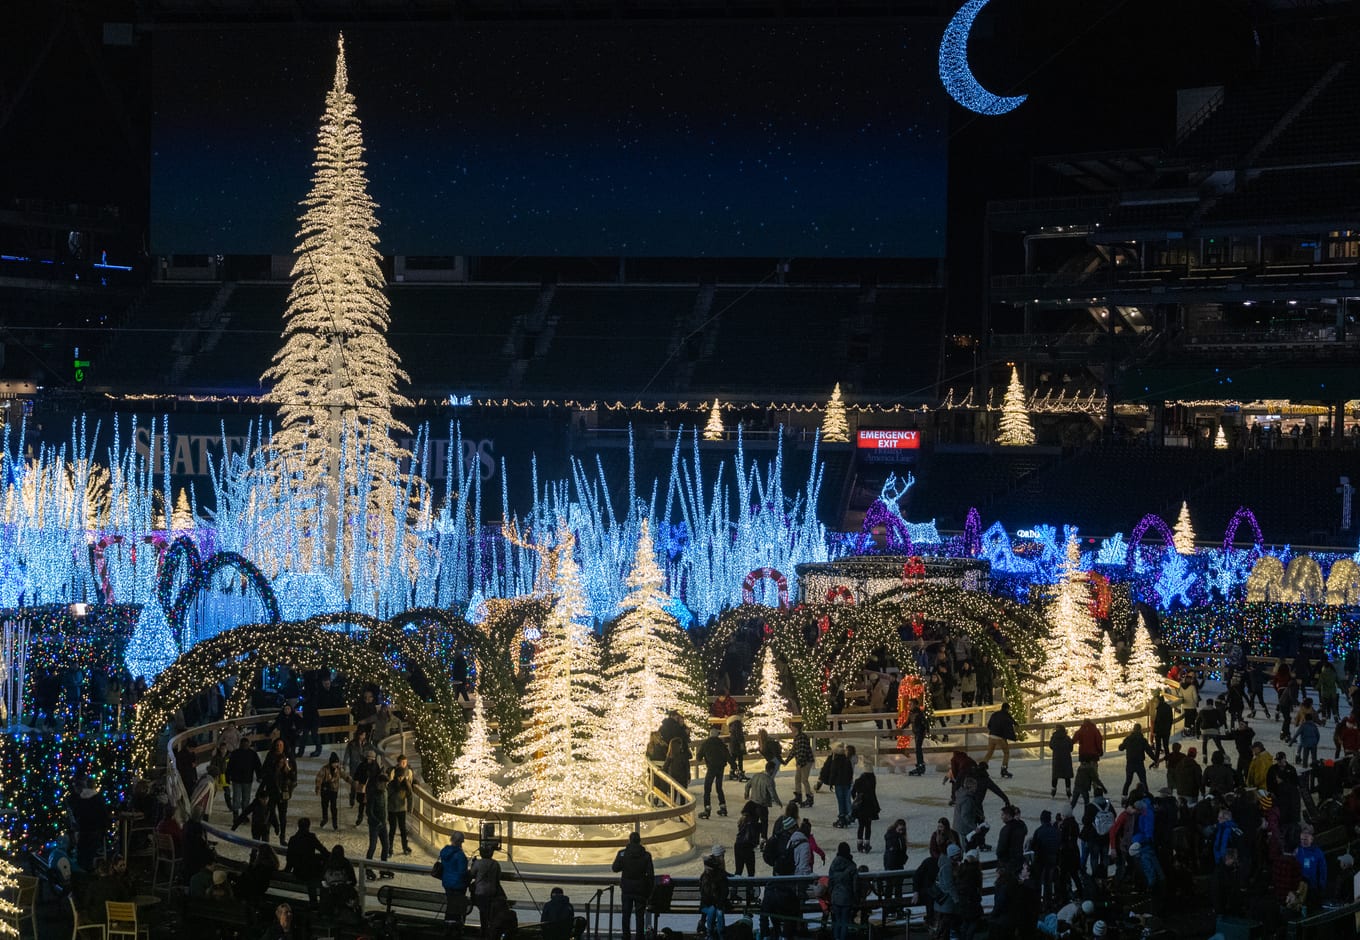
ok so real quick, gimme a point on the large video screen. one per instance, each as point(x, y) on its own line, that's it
point(640, 139)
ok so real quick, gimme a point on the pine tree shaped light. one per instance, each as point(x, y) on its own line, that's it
point(713, 431)
point(770, 711)
point(9, 891)
point(1015, 429)
point(1184, 533)
point(835, 429)
point(475, 770)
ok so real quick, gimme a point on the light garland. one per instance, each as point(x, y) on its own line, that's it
point(37, 771)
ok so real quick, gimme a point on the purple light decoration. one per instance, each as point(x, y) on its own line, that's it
point(1243, 514)
point(894, 528)
point(972, 534)
point(1150, 521)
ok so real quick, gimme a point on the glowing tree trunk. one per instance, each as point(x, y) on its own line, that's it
point(651, 668)
point(335, 379)
point(564, 702)
point(475, 770)
point(713, 431)
point(771, 710)
point(835, 429)
point(1184, 532)
point(1066, 681)
point(1015, 430)
point(1144, 670)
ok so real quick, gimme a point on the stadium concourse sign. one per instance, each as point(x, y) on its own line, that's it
point(888, 439)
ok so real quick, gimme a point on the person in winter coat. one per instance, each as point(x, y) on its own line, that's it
point(1097, 819)
point(1000, 733)
point(289, 727)
point(713, 752)
point(842, 886)
point(803, 759)
point(354, 756)
point(1060, 763)
point(865, 808)
point(968, 878)
point(400, 792)
point(943, 837)
point(1089, 741)
point(713, 894)
point(736, 744)
point(744, 846)
point(1328, 687)
point(278, 777)
point(676, 765)
point(770, 750)
point(894, 859)
point(1045, 844)
point(1189, 695)
point(968, 811)
point(1260, 767)
point(837, 775)
point(634, 866)
point(760, 790)
point(1010, 841)
point(338, 883)
point(801, 847)
point(453, 876)
point(1305, 755)
point(1135, 749)
point(306, 858)
point(328, 780)
point(946, 894)
point(243, 769)
point(1219, 777)
point(375, 804)
point(1161, 730)
point(1186, 779)
point(919, 728)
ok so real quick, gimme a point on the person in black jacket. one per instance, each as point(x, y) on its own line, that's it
point(894, 859)
point(1135, 749)
point(919, 727)
point(306, 858)
point(713, 752)
point(634, 865)
point(865, 808)
point(91, 814)
point(1000, 733)
point(1010, 841)
point(1060, 764)
point(1161, 730)
point(289, 727)
point(243, 769)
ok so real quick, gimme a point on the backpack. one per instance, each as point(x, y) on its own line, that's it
point(1104, 820)
point(778, 854)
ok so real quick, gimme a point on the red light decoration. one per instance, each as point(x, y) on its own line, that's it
point(748, 587)
point(1101, 597)
point(915, 567)
point(840, 594)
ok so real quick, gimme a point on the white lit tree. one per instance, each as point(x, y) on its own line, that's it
point(835, 429)
point(182, 517)
point(1220, 439)
point(475, 769)
point(770, 710)
point(650, 668)
point(1184, 533)
point(1144, 670)
point(1015, 429)
point(563, 700)
point(9, 891)
point(1066, 682)
point(336, 379)
point(713, 431)
point(1111, 696)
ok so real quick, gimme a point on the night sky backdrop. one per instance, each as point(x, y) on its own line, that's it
point(647, 139)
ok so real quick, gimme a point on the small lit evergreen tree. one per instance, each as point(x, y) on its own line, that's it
point(835, 429)
point(476, 769)
point(713, 431)
point(1220, 439)
point(1184, 533)
point(1144, 670)
point(1066, 682)
point(1015, 429)
point(771, 709)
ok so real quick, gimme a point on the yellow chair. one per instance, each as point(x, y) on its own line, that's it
point(26, 903)
point(77, 928)
point(122, 919)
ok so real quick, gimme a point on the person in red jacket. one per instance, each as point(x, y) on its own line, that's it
point(1347, 737)
point(1089, 741)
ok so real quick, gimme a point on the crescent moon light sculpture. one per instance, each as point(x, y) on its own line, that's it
point(955, 74)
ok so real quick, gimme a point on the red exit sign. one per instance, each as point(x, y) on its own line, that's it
point(888, 439)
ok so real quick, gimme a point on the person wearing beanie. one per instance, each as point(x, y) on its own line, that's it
point(947, 892)
point(1098, 929)
point(328, 788)
point(713, 891)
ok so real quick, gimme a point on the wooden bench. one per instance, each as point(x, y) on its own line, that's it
point(416, 912)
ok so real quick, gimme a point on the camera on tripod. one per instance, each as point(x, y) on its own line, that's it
point(490, 838)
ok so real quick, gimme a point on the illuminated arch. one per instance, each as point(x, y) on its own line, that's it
point(1150, 521)
point(242, 652)
point(781, 583)
point(201, 576)
point(1243, 514)
point(1343, 584)
point(182, 550)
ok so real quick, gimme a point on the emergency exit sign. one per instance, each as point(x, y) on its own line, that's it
point(888, 439)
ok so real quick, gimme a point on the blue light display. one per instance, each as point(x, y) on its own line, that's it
point(957, 76)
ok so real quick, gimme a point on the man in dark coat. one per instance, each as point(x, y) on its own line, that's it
point(713, 752)
point(1010, 841)
point(1000, 733)
point(634, 865)
point(306, 858)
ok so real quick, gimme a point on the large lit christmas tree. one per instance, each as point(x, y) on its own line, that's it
point(564, 702)
point(1015, 429)
point(770, 710)
point(650, 669)
point(1066, 682)
point(335, 379)
point(835, 429)
point(476, 769)
point(1184, 533)
point(1110, 695)
point(713, 431)
point(1144, 672)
